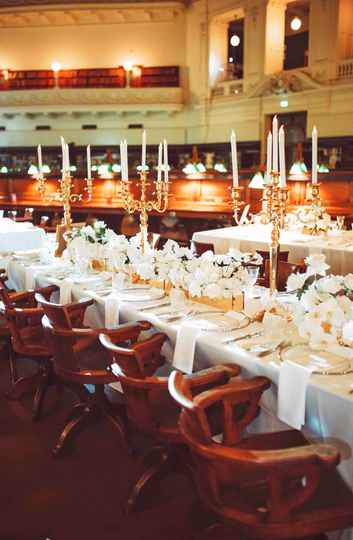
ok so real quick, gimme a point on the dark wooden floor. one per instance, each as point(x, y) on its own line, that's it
point(82, 495)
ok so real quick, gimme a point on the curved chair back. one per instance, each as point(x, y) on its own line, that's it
point(254, 481)
point(201, 247)
point(284, 270)
point(64, 316)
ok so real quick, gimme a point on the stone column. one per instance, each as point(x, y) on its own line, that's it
point(323, 38)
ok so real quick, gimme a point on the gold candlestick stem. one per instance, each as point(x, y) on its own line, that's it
point(144, 206)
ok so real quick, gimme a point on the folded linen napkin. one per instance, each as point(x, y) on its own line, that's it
point(292, 385)
point(66, 291)
point(30, 278)
point(111, 311)
point(184, 351)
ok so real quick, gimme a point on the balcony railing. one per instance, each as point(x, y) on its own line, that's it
point(345, 69)
point(228, 89)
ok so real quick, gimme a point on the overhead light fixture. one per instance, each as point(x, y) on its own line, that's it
point(56, 66)
point(220, 167)
point(231, 60)
point(257, 181)
point(322, 168)
point(139, 168)
point(4, 170)
point(116, 168)
point(32, 171)
point(128, 65)
point(298, 167)
point(73, 168)
point(235, 40)
point(284, 103)
point(296, 24)
point(104, 170)
point(194, 168)
point(46, 169)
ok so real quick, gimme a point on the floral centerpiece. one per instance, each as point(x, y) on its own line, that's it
point(324, 312)
point(90, 244)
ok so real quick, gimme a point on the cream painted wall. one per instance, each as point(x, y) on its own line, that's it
point(106, 45)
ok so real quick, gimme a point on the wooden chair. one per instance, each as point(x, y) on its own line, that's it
point(80, 360)
point(150, 409)
point(26, 340)
point(284, 270)
point(201, 247)
point(268, 486)
point(282, 256)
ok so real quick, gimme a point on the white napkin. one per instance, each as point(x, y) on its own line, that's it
point(66, 291)
point(185, 347)
point(111, 311)
point(293, 381)
point(30, 278)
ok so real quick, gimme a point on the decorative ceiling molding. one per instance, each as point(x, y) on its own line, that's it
point(72, 14)
point(284, 83)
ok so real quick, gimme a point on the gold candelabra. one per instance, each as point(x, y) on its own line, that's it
point(276, 201)
point(64, 193)
point(237, 203)
point(144, 205)
point(310, 216)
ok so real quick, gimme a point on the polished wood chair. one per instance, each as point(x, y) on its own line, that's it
point(282, 256)
point(269, 485)
point(150, 409)
point(201, 247)
point(284, 270)
point(80, 360)
point(25, 336)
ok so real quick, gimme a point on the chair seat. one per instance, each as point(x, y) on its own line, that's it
point(330, 508)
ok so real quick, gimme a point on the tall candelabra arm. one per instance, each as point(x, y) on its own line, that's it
point(88, 190)
point(237, 202)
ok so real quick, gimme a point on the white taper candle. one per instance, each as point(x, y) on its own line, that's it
point(282, 158)
point(89, 165)
point(314, 156)
point(275, 144)
point(233, 145)
point(143, 159)
point(159, 166)
point(63, 151)
point(269, 158)
point(165, 160)
point(40, 162)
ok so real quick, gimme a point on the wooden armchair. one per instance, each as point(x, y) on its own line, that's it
point(151, 410)
point(268, 486)
point(282, 256)
point(284, 270)
point(202, 247)
point(22, 335)
point(79, 360)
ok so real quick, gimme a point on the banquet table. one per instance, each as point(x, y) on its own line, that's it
point(337, 246)
point(329, 403)
point(20, 236)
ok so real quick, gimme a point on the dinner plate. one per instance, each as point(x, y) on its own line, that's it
point(217, 321)
point(141, 295)
point(322, 362)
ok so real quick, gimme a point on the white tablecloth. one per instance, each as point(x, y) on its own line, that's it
point(20, 236)
point(337, 247)
point(329, 405)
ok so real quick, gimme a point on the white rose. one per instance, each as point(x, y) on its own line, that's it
point(348, 281)
point(296, 281)
point(316, 265)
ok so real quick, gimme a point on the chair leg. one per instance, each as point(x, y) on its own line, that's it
point(41, 391)
point(12, 362)
point(71, 429)
point(118, 424)
point(22, 386)
point(146, 477)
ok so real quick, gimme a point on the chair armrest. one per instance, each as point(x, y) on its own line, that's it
point(281, 460)
point(47, 291)
point(235, 391)
point(23, 297)
point(216, 375)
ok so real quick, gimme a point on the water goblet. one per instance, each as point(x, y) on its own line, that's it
point(253, 274)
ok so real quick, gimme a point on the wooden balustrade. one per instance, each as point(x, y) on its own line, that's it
point(146, 77)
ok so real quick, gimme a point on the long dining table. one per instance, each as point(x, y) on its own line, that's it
point(329, 399)
point(337, 246)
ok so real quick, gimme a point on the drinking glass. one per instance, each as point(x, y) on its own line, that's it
point(340, 222)
point(253, 274)
point(177, 299)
